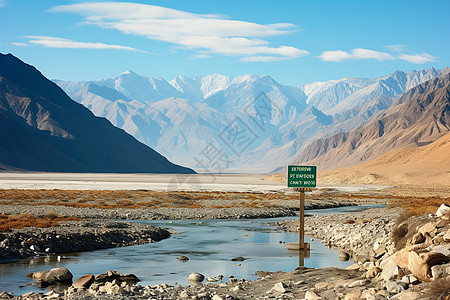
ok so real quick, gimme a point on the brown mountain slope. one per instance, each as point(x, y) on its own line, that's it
point(426, 166)
point(421, 116)
point(42, 129)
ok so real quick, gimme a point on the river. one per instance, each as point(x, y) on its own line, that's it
point(209, 244)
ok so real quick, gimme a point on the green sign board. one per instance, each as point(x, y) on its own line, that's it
point(302, 176)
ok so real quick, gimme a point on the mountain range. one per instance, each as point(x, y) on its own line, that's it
point(43, 129)
point(249, 123)
point(420, 117)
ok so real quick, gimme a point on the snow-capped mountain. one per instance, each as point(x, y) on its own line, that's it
point(251, 123)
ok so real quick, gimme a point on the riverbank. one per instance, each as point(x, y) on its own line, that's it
point(75, 236)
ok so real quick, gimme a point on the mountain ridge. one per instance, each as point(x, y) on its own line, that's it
point(295, 116)
point(44, 130)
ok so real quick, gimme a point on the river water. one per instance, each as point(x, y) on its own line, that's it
point(210, 245)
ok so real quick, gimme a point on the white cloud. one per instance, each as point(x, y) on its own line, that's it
point(2, 3)
point(204, 33)
point(418, 58)
point(336, 56)
point(395, 48)
point(20, 44)
point(55, 42)
point(359, 53)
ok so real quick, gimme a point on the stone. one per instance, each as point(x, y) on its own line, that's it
point(443, 249)
point(311, 295)
point(217, 297)
point(183, 258)
point(427, 228)
point(407, 295)
point(355, 295)
point(239, 258)
point(196, 277)
point(321, 285)
point(393, 287)
point(84, 281)
point(353, 267)
point(420, 264)
point(5, 295)
point(373, 272)
point(389, 269)
point(343, 256)
point(446, 236)
point(237, 288)
point(401, 258)
point(440, 271)
point(359, 283)
point(56, 275)
point(418, 238)
point(443, 211)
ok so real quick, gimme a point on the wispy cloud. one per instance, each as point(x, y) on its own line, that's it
point(2, 3)
point(20, 44)
point(418, 58)
point(55, 42)
point(359, 53)
point(395, 48)
point(204, 33)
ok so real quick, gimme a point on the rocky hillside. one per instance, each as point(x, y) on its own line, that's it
point(42, 129)
point(421, 116)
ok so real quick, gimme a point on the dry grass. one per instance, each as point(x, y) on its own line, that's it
point(138, 199)
point(414, 206)
point(349, 221)
point(8, 222)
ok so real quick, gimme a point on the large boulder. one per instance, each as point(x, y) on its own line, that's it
point(84, 281)
point(443, 212)
point(420, 263)
point(53, 276)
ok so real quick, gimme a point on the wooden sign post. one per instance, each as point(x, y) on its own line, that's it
point(303, 179)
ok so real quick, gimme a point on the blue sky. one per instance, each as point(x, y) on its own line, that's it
point(293, 41)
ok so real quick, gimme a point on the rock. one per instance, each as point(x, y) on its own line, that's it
point(420, 264)
point(393, 288)
point(56, 275)
point(84, 281)
point(443, 212)
point(217, 297)
point(196, 277)
point(353, 267)
point(440, 271)
point(343, 256)
point(359, 283)
point(311, 295)
point(401, 258)
point(373, 272)
point(237, 288)
point(278, 288)
point(418, 238)
point(183, 258)
point(407, 295)
point(389, 269)
point(443, 249)
point(446, 236)
point(5, 295)
point(427, 228)
point(321, 285)
point(239, 258)
point(215, 279)
point(355, 295)
point(115, 275)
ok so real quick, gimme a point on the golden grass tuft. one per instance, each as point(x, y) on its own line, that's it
point(8, 222)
